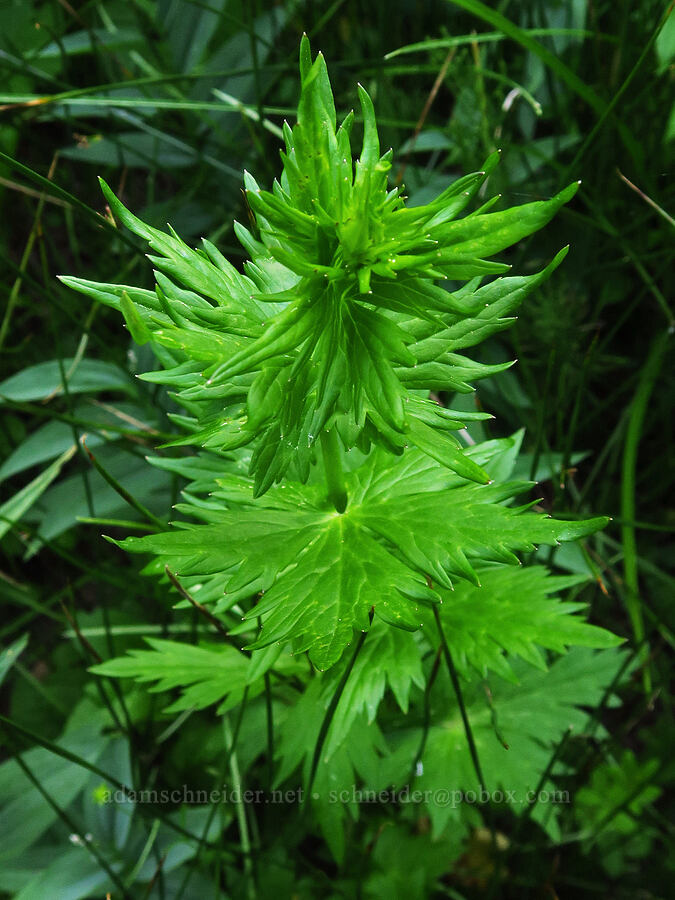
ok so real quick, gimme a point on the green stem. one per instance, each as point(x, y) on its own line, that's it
point(460, 702)
point(241, 809)
point(426, 721)
point(473, 750)
point(332, 464)
point(503, 857)
point(122, 491)
point(270, 729)
point(72, 826)
point(330, 712)
point(638, 409)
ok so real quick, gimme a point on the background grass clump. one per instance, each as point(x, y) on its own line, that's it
point(169, 101)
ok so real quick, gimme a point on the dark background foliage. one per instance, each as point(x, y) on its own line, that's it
point(169, 101)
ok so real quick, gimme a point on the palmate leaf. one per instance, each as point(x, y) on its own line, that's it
point(390, 658)
point(319, 573)
point(441, 531)
point(206, 674)
point(532, 717)
point(321, 578)
point(512, 614)
point(341, 576)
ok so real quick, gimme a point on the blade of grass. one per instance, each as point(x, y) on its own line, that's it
point(241, 808)
point(14, 101)
point(525, 39)
point(122, 491)
point(10, 655)
point(229, 750)
point(14, 508)
point(28, 249)
point(73, 828)
point(489, 37)
point(648, 200)
point(550, 60)
point(646, 384)
point(607, 111)
point(30, 737)
point(128, 525)
point(230, 104)
point(57, 191)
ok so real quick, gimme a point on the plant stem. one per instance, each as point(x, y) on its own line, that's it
point(122, 491)
point(79, 833)
point(241, 809)
point(460, 701)
point(638, 409)
point(525, 815)
point(332, 464)
point(427, 713)
point(330, 712)
point(473, 750)
point(270, 728)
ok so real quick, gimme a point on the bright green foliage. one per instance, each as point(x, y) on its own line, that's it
point(338, 319)
point(207, 674)
point(9, 655)
point(390, 657)
point(338, 327)
point(329, 496)
point(522, 618)
point(321, 572)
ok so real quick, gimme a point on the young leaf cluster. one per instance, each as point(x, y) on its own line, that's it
point(339, 322)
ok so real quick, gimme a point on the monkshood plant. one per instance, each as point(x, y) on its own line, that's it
point(333, 514)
